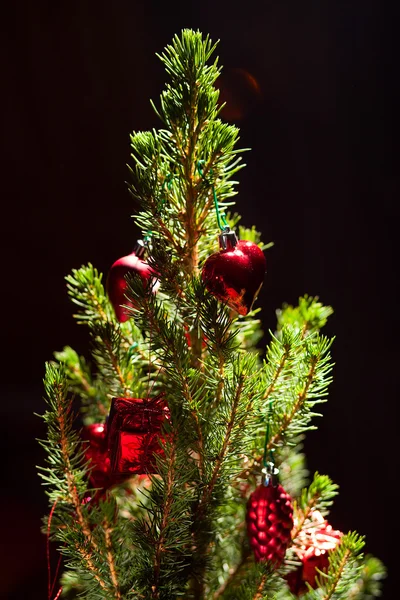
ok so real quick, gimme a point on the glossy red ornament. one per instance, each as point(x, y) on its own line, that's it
point(312, 546)
point(236, 273)
point(96, 452)
point(116, 282)
point(134, 435)
point(269, 522)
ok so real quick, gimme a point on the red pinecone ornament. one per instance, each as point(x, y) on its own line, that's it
point(134, 436)
point(312, 546)
point(269, 522)
point(236, 273)
point(116, 282)
point(96, 452)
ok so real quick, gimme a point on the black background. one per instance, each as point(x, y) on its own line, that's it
point(321, 183)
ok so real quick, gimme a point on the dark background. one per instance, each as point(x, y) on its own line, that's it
point(321, 182)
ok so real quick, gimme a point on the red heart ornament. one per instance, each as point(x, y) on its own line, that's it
point(116, 282)
point(236, 273)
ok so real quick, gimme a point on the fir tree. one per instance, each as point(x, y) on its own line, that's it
point(234, 412)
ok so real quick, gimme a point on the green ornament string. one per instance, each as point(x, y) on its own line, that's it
point(268, 465)
point(222, 222)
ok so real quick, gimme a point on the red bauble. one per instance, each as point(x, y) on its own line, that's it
point(312, 546)
point(134, 434)
point(116, 282)
point(96, 452)
point(236, 273)
point(269, 522)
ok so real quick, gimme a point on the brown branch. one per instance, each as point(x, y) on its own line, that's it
point(73, 493)
point(117, 368)
point(98, 306)
point(201, 548)
point(221, 382)
point(301, 517)
point(77, 503)
point(339, 574)
point(221, 456)
point(110, 560)
point(91, 566)
point(160, 548)
point(259, 592)
point(70, 477)
point(297, 405)
point(187, 395)
point(268, 392)
point(279, 370)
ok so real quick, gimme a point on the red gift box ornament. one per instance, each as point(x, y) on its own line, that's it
point(312, 546)
point(97, 455)
point(117, 284)
point(236, 273)
point(134, 435)
point(269, 522)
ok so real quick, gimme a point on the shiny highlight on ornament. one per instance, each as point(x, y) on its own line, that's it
point(116, 281)
point(96, 452)
point(236, 273)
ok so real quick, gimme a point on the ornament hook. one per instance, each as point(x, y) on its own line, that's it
point(270, 474)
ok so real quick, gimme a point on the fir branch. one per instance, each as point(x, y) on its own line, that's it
point(344, 569)
point(170, 345)
point(110, 559)
point(369, 583)
point(208, 490)
point(259, 593)
point(67, 475)
point(318, 496)
point(165, 509)
point(293, 419)
point(163, 534)
point(293, 473)
point(286, 351)
point(253, 581)
point(95, 405)
point(111, 357)
point(229, 438)
point(309, 316)
point(232, 577)
point(86, 291)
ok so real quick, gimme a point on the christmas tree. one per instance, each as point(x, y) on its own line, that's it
point(174, 456)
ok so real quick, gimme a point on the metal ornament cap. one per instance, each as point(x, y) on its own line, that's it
point(236, 273)
point(116, 282)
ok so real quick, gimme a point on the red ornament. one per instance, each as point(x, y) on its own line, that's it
point(312, 546)
point(133, 436)
point(96, 452)
point(236, 273)
point(269, 522)
point(116, 282)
